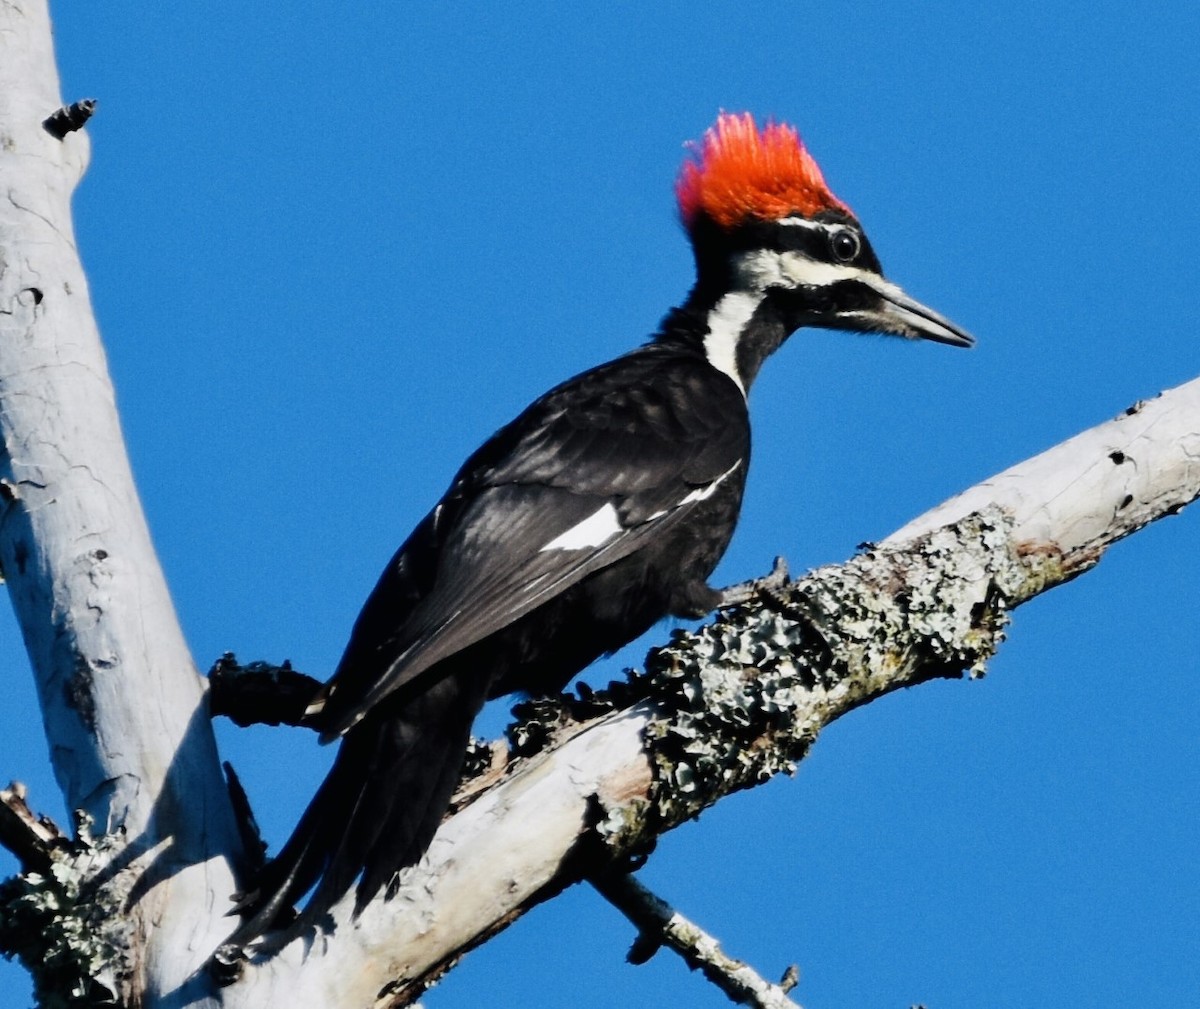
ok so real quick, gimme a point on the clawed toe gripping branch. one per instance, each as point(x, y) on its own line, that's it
point(765, 587)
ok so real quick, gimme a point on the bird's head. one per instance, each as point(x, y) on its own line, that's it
point(764, 225)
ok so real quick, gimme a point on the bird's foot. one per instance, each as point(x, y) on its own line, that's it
point(767, 587)
point(794, 604)
point(227, 964)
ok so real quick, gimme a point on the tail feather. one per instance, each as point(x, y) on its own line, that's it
point(410, 827)
point(377, 810)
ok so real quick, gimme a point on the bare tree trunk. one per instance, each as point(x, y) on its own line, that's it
point(123, 705)
point(147, 883)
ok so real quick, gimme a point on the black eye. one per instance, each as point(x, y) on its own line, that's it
point(845, 245)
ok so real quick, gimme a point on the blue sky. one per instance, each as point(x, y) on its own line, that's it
point(331, 250)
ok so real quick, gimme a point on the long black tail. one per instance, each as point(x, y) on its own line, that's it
point(377, 810)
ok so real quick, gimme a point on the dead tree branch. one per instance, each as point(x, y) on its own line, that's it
point(727, 706)
point(659, 924)
point(134, 906)
point(121, 699)
point(30, 837)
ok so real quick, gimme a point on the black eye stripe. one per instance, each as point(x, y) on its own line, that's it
point(828, 243)
point(811, 239)
point(811, 242)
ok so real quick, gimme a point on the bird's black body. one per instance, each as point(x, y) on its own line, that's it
point(473, 607)
point(601, 509)
point(631, 439)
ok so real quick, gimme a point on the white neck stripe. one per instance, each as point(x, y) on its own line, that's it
point(726, 322)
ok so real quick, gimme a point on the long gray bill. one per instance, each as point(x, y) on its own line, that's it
point(898, 313)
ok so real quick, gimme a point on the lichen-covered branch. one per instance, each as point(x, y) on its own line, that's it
point(659, 924)
point(68, 922)
point(32, 838)
point(133, 906)
point(592, 779)
point(745, 695)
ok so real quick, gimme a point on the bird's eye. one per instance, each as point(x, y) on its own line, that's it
point(845, 245)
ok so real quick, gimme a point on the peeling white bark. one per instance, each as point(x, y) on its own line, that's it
point(495, 856)
point(121, 699)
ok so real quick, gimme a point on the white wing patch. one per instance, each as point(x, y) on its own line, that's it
point(709, 489)
point(602, 525)
point(594, 531)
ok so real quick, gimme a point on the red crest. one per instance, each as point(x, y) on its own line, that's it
point(739, 171)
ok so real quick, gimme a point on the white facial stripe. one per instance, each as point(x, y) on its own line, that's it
point(726, 322)
point(806, 272)
point(804, 222)
point(759, 270)
point(594, 531)
point(762, 269)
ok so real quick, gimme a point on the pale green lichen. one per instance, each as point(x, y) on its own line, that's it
point(743, 697)
point(622, 821)
point(746, 695)
point(68, 932)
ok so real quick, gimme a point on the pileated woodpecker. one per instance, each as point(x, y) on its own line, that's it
point(601, 509)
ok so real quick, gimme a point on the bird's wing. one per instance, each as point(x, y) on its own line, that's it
point(585, 477)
